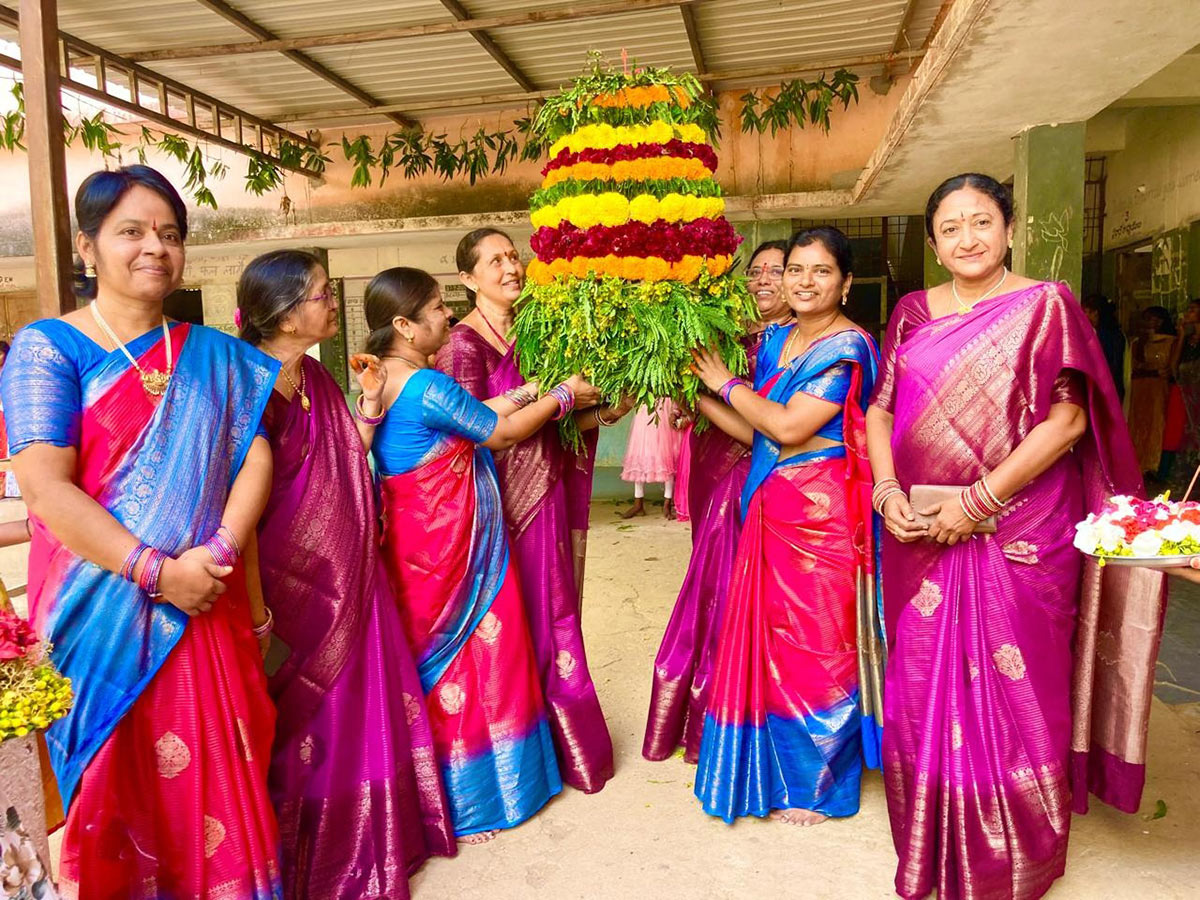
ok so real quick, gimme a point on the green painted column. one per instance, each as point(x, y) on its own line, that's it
point(1193, 277)
point(333, 351)
point(934, 273)
point(1048, 190)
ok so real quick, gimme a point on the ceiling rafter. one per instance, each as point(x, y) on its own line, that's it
point(122, 84)
point(513, 100)
point(591, 10)
point(902, 40)
point(693, 36)
point(485, 41)
point(247, 24)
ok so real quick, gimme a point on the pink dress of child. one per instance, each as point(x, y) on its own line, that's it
point(652, 454)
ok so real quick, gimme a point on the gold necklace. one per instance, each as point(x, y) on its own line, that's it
point(796, 331)
point(963, 307)
point(405, 360)
point(154, 381)
point(304, 401)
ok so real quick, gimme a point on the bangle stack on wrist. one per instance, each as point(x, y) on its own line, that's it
point(979, 502)
point(151, 571)
point(363, 417)
point(265, 628)
point(224, 547)
point(520, 397)
point(566, 400)
point(601, 420)
point(884, 490)
point(727, 388)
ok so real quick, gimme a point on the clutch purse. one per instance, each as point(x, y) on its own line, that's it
point(923, 496)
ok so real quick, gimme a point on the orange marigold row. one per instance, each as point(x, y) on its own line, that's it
point(639, 97)
point(630, 268)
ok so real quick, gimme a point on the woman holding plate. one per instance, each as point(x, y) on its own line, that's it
point(1010, 692)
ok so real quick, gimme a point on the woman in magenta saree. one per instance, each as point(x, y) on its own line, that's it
point(998, 643)
point(784, 728)
point(546, 491)
point(353, 774)
point(717, 473)
point(140, 457)
point(448, 555)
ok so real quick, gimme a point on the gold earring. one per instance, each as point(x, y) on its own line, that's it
point(89, 271)
point(938, 260)
point(410, 338)
point(845, 299)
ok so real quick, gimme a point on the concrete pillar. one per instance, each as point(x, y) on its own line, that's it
point(935, 274)
point(1048, 189)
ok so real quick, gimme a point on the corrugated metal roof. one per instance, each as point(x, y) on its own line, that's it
point(735, 35)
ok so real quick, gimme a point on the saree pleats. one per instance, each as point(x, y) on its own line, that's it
point(783, 723)
point(463, 614)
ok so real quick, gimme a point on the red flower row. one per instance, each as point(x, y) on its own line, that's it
point(625, 152)
point(699, 237)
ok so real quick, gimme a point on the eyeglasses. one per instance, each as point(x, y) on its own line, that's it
point(323, 297)
point(773, 273)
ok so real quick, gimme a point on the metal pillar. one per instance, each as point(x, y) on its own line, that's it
point(47, 157)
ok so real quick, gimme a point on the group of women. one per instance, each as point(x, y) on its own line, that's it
point(200, 502)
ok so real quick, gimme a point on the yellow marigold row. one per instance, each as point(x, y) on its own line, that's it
point(644, 96)
point(605, 136)
point(587, 210)
point(630, 268)
point(658, 168)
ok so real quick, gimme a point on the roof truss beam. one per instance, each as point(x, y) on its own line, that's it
point(693, 36)
point(485, 41)
point(175, 106)
point(513, 100)
point(575, 12)
point(247, 24)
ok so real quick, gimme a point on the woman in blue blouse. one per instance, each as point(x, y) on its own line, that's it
point(785, 728)
point(447, 554)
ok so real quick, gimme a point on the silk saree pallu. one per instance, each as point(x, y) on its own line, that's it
point(354, 776)
point(683, 667)
point(447, 552)
point(785, 726)
point(546, 491)
point(999, 644)
point(163, 756)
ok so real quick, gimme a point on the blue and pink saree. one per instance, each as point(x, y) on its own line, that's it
point(785, 727)
point(163, 758)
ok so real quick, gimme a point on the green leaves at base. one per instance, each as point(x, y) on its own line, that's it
point(630, 338)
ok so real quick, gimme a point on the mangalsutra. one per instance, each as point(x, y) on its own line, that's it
point(154, 381)
point(963, 307)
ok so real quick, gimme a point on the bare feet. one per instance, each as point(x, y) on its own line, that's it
point(668, 509)
point(801, 817)
point(479, 837)
point(638, 509)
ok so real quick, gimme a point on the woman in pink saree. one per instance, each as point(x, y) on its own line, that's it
point(450, 562)
point(1019, 675)
point(136, 440)
point(547, 496)
point(718, 468)
point(353, 774)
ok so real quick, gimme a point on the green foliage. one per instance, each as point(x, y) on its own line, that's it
point(630, 338)
point(798, 102)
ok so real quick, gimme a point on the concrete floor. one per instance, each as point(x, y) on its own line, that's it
point(645, 836)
